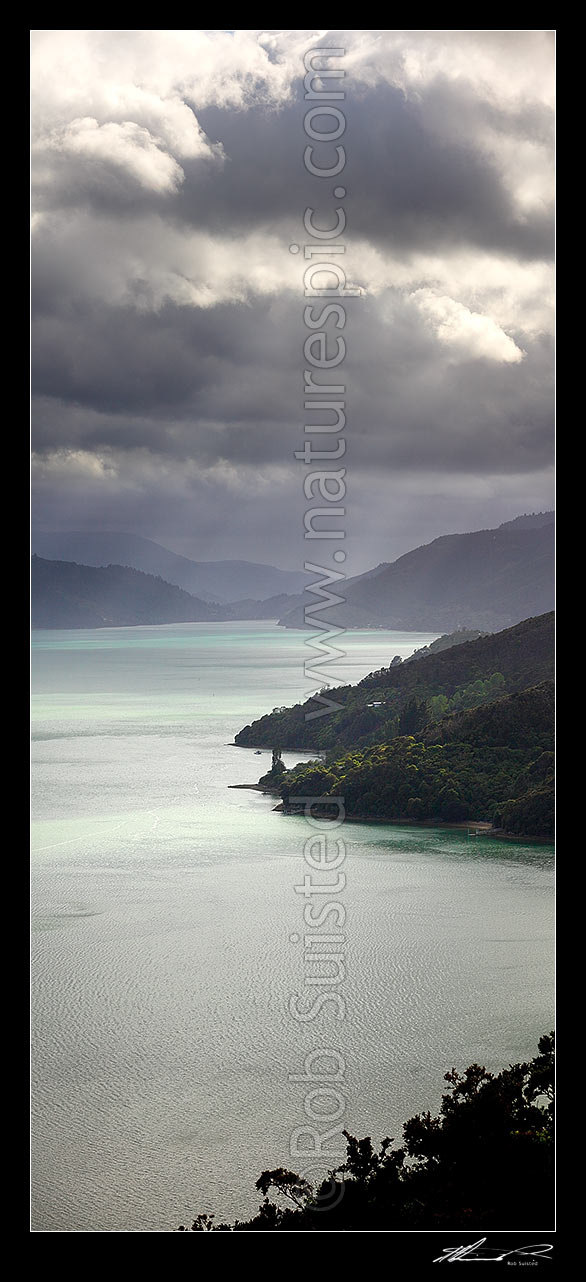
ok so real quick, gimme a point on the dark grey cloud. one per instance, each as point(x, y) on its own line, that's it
point(227, 384)
point(167, 324)
point(410, 185)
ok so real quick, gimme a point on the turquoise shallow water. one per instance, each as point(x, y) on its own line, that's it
point(167, 933)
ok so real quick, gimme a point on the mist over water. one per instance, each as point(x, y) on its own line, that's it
point(163, 910)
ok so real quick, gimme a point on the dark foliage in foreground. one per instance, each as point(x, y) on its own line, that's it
point(486, 1162)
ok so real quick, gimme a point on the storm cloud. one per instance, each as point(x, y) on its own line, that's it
point(168, 331)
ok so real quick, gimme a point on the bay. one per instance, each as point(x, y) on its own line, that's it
point(168, 933)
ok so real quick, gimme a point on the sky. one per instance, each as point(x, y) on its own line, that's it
point(168, 330)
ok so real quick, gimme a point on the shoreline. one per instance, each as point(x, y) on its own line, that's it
point(253, 787)
point(481, 826)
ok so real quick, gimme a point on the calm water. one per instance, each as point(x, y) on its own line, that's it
point(166, 934)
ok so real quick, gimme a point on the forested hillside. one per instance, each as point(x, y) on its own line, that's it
point(494, 763)
point(403, 699)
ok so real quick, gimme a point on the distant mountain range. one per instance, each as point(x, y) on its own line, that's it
point(487, 580)
point(67, 595)
point(221, 581)
point(483, 581)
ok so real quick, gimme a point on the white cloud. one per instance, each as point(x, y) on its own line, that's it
point(157, 79)
point(127, 146)
point(102, 96)
point(468, 332)
point(504, 66)
point(145, 262)
point(472, 301)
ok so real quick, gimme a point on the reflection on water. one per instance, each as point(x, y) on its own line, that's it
point(166, 929)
